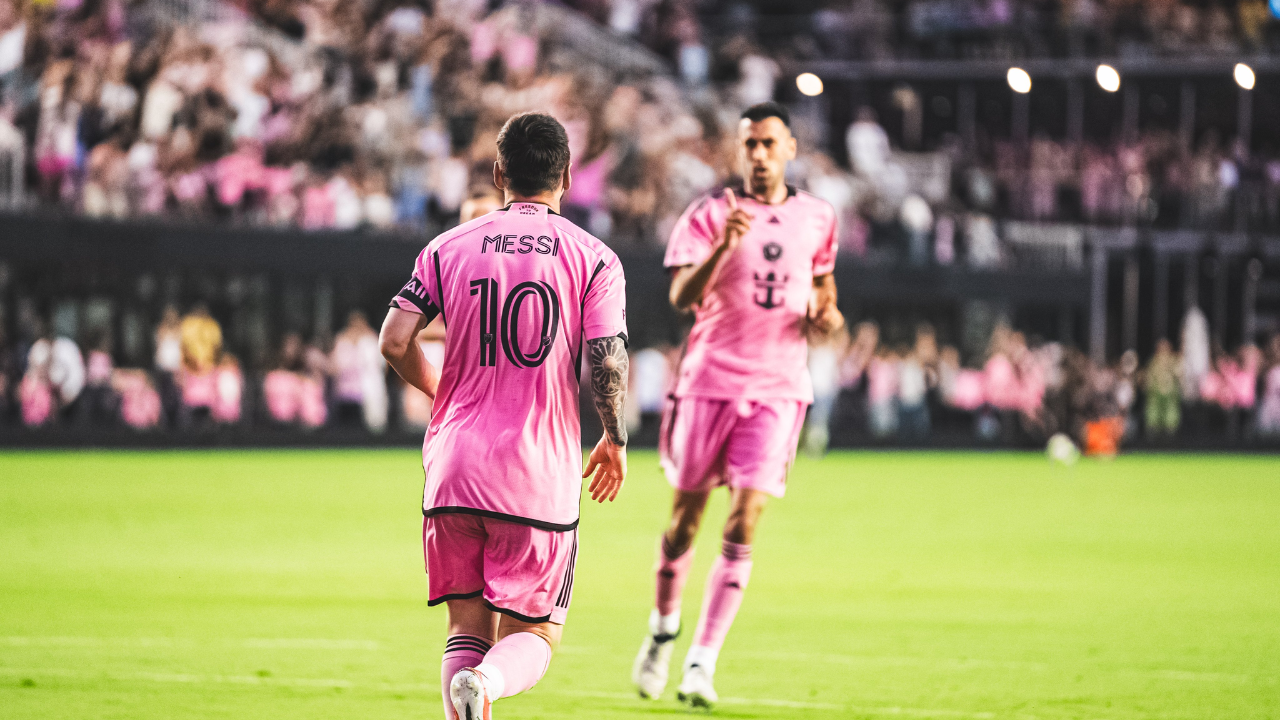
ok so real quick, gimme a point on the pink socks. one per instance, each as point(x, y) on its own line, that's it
point(720, 603)
point(672, 574)
point(515, 664)
point(460, 651)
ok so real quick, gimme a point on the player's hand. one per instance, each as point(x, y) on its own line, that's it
point(737, 224)
point(609, 463)
point(823, 318)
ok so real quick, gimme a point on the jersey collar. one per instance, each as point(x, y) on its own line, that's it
point(530, 202)
point(791, 192)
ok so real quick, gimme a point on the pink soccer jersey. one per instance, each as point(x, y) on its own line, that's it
point(520, 290)
point(748, 340)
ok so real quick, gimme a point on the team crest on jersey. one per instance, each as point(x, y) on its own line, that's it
point(768, 294)
point(772, 251)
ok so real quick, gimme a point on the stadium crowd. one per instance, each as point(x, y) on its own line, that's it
point(325, 115)
point(866, 390)
point(949, 29)
point(1019, 391)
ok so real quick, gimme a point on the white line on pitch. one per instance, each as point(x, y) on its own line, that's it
point(151, 642)
point(804, 705)
point(976, 663)
point(270, 680)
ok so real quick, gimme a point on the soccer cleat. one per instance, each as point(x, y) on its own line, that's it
point(650, 670)
point(469, 696)
point(696, 689)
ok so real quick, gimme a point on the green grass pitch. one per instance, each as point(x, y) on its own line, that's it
point(249, 585)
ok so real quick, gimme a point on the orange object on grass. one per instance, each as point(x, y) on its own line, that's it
point(1102, 437)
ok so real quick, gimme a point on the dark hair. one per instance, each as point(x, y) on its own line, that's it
point(763, 110)
point(533, 151)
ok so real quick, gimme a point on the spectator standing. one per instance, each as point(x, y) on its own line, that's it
point(201, 348)
point(1195, 353)
point(359, 374)
point(201, 340)
point(102, 405)
point(1269, 409)
point(851, 402)
point(913, 388)
point(824, 371)
point(882, 394)
point(55, 379)
point(294, 392)
point(1163, 386)
point(168, 361)
point(917, 374)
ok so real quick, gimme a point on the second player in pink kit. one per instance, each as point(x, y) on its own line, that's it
point(756, 268)
point(526, 297)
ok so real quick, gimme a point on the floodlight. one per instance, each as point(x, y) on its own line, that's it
point(1108, 78)
point(809, 84)
point(1244, 76)
point(1019, 80)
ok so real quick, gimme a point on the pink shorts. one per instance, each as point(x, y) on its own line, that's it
point(521, 571)
point(708, 442)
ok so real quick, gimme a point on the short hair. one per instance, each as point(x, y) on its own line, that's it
point(763, 110)
point(533, 151)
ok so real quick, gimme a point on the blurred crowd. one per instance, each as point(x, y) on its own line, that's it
point(195, 384)
point(866, 390)
point(335, 115)
point(888, 29)
point(382, 113)
point(1006, 201)
point(1017, 393)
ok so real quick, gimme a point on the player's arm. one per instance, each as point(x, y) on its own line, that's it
point(398, 342)
point(690, 281)
point(609, 371)
point(824, 317)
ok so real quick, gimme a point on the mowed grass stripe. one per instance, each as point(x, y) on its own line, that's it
point(923, 585)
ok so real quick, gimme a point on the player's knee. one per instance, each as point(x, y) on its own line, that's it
point(550, 632)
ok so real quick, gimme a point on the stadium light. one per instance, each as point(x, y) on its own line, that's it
point(1108, 78)
point(1019, 80)
point(809, 84)
point(1244, 76)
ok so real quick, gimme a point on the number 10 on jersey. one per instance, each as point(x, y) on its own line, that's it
point(508, 330)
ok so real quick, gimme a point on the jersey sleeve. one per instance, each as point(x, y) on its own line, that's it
point(693, 237)
point(824, 260)
point(419, 294)
point(604, 309)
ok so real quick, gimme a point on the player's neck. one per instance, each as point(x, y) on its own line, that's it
point(773, 196)
point(550, 199)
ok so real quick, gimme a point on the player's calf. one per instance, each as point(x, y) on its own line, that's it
point(651, 668)
point(650, 671)
point(460, 652)
point(515, 664)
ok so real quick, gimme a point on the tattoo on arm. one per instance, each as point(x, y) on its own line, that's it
point(609, 366)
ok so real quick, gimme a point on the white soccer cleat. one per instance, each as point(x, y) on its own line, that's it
point(469, 696)
point(651, 668)
point(696, 689)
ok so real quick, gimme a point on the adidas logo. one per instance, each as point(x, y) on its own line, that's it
point(773, 220)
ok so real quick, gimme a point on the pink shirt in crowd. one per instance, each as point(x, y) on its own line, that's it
point(748, 336)
point(520, 290)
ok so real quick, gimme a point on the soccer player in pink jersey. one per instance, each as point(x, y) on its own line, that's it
point(756, 270)
point(524, 296)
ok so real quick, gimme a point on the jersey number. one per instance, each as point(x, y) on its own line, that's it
point(508, 330)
